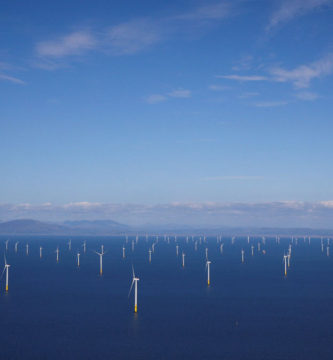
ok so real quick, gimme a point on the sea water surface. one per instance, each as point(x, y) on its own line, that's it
point(250, 310)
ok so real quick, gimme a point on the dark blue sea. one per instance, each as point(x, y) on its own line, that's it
point(250, 311)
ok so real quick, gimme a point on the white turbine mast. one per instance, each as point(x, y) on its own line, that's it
point(135, 283)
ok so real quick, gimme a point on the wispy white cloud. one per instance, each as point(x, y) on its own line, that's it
point(177, 93)
point(132, 36)
point(307, 96)
point(301, 76)
point(280, 213)
point(180, 93)
point(243, 77)
point(247, 95)
point(217, 11)
point(11, 79)
point(291, 9)
point(155, 98)
point(128, 37)
point(245, 63)
point(75, 43)
point(267, 104)
point(215, 87)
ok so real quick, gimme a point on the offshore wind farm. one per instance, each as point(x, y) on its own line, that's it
point(166, 180)
point(138, 307)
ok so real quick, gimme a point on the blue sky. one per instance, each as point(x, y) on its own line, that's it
point(193, 102)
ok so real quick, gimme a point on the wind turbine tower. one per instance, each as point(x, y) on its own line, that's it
point(208, 271)
point(6, 268)
point(100, 262)
point(285, 257)
point(135, 283)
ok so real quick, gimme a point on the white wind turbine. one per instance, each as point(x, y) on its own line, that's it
point(16, 244)
point(135, 282)
point(6, 268)
point(177, 250)
point(208, 271)
point(149, 251)
point(6, 242)
point(206, 250)
point(288, 257)
point(27, 248)
point(252, 250)
point(242, 252)
point(285, 258)
point(70, 245)
point(221, 248)
point(78, 259)
point(84, 246)
point(123, 252)
point(40, 252)
point(100, 261)
point(183, 259)
point(57, 252)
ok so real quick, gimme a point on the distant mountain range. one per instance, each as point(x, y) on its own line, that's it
point(110, 227)
point(84, 227)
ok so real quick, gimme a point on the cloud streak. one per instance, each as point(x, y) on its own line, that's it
point(269, 104)
point(291, 9)
point(129, 37)
point(178, 93)
point(281, 214)
point(242, 78)
point(300, 76)
point(75, 43)
point(12, 79)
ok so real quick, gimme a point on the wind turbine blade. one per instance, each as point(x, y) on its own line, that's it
point(5, 260)
point(133, 271)
point(129, 293)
